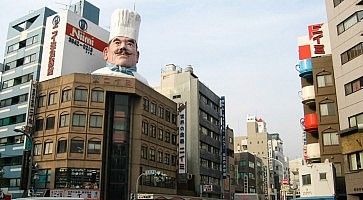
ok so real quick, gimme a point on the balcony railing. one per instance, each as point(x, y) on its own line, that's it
point(310, 123)
point(305, 68)
point(313, 151)
point(307, 95)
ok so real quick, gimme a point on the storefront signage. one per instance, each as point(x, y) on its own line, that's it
point(84, 40)
point(31, 104)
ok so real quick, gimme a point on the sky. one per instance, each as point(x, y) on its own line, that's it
point(245, 50)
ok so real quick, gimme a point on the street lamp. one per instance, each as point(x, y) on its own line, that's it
point(282, 164)
point(147, 173)
point(24, 131)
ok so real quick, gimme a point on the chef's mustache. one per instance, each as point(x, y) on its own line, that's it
point(123, 50)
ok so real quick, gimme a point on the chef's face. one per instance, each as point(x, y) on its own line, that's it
point(122, 51)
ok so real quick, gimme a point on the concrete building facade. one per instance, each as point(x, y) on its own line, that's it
point(203, 136)
point(345, 28)
point(23, 52)
point(95, 135)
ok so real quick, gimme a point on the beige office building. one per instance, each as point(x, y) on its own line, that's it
point(346, 34)
point(95, 135)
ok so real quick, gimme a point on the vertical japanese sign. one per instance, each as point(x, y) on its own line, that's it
point(319, 39)
point(182, 165)
point(223, 134)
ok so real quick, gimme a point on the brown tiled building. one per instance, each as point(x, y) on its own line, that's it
point(321, 121)
point(97, 134)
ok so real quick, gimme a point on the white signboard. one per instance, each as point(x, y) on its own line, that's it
point(76, 193)
point(182, 139)
point(319, 39)
point(72, 44)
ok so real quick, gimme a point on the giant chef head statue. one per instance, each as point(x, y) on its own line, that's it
point(122, 46)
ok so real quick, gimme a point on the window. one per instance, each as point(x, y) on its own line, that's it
point(66, 95)
point(14, 100)
point(167, 159)
point(17, 81)
point(39, 124)
point(80, 94)
point(322, 176)
point(95, 120)
point(97, 95)
point(14, 182)
point(324, 80)
point(330, 139)
point(353, 86)
point(173, 118)
point(356, 160)
point(50, 123)
point(146, 104)
point(306, 179)
point(167, 115)
point(160, 156)
point(145, 128)
point(48, 147)
point(161, 134)
point(153, 108)
point(94, 147)
point(173, 138)
point(62, 146)
point(161, 112)
point(355, 120)
point(352, 53)
point(41, 101)
point(167, 136)
point(152, 154)
point(37, 149)
point(153, 130)
point(79, 120)
point(327, 109)
point(350, 21)
point(144, 152)
point(64, 120)
point(52, 98)
point(77, 146)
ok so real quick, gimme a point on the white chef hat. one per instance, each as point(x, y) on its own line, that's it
point(125, 23)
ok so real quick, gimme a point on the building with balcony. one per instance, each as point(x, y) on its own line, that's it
point(95, 135)
point(345, 29)
point(203, 174)
point(240, 144)
point(321, 120)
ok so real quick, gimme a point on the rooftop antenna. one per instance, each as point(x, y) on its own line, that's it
point(134, 5)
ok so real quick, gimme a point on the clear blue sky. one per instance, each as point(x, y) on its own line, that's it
point(245, 50)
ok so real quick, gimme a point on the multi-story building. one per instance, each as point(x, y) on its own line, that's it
point(95, 135)
point(203, 138)
point(321, 120)
point(345, 28)
point(230, 181)
point(259, 143)
point(249, 169)
point(23, 52)
point(240, 144)
point(294, 180)
point(24, 49)
point(279, 160)
point(317, 179)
